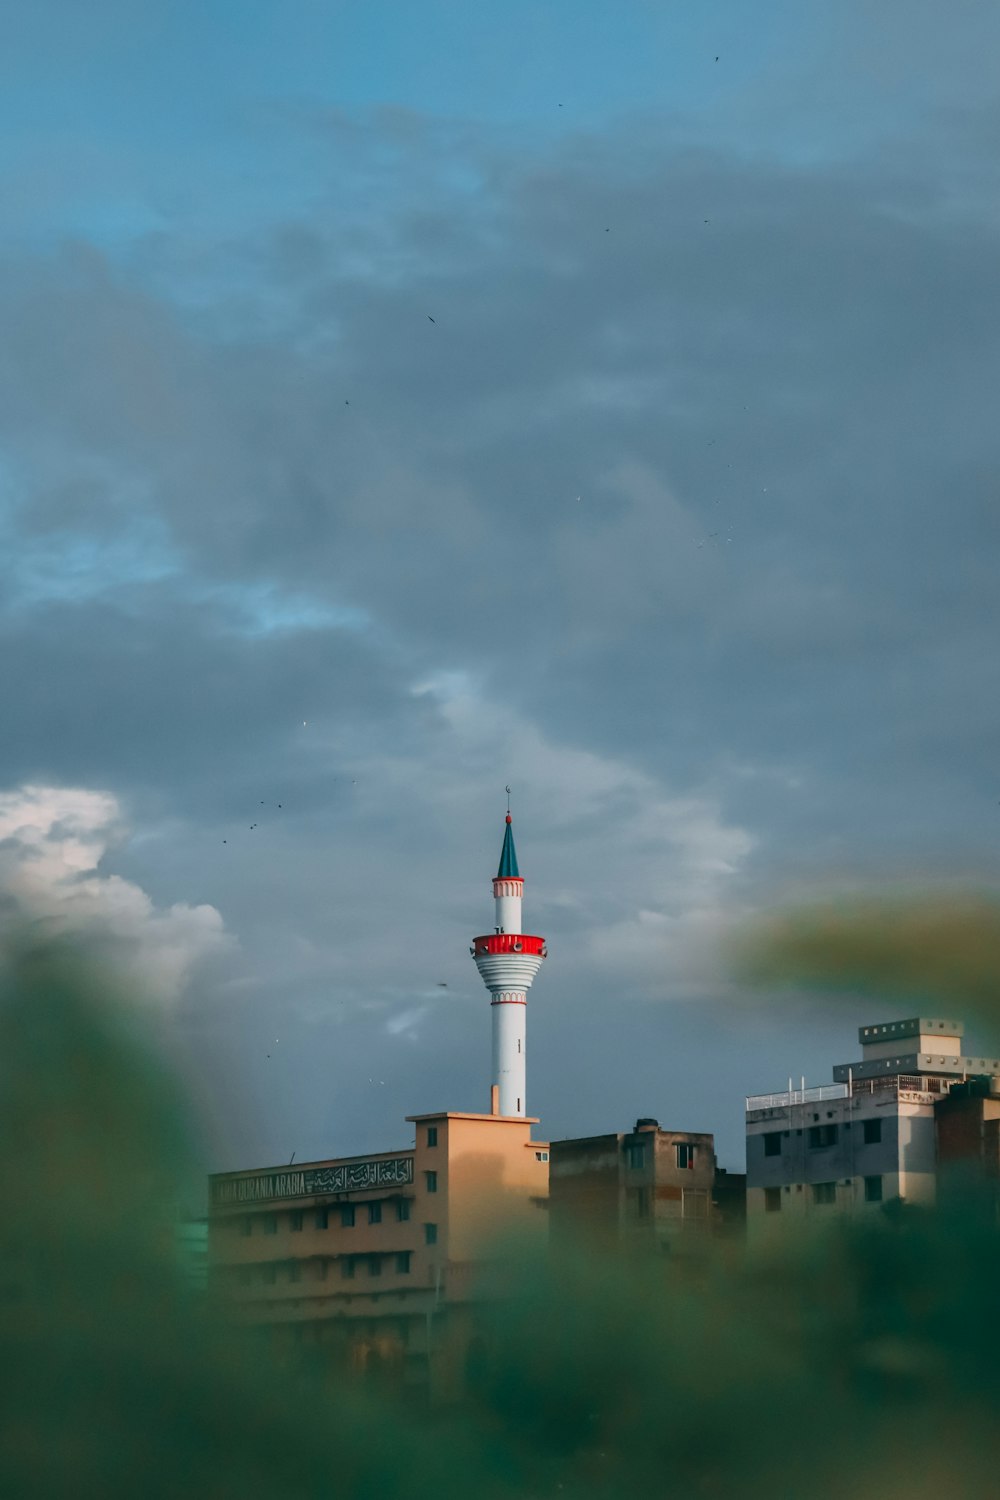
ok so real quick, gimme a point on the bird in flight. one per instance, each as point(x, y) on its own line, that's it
point(442, 984)
point(430, 319)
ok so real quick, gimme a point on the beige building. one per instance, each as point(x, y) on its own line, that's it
point(645, 1188)
point(374, 1258)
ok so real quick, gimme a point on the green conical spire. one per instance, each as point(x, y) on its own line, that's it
point(508, 856)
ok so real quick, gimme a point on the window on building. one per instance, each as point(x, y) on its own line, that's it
point(402, 1209)
point(772, 1200)
point(822, 1135)
point(375, 1213)
point(873, 1188)
point(541, 1156)
point(403, 1262)
point(294, 1270)
point(685, 1154)
point(374, 1265)
point(347, 1267)
point(824, 1192)
point(246, 1226)
point(431, 1179)
point(873, 1132)
point(430, 1234)
point(297, 1218)
point(270, 1223)
point(432, 1135)
point(641, 1198)
point(347, 1216)
point(268, 1273)
point(322, 1218)
point(635, 1155)
point(772, 1143)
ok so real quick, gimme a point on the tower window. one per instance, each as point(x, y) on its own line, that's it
point(432, 1135)
point(772, 1143)
point(430, 1234)
point(873, 1132)
point(685, 1154)
point(432, 1181)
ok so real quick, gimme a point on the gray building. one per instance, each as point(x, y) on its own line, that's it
point(864, 1139)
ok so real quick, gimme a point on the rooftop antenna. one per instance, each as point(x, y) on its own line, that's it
point(291, 1158)
point(508, 798)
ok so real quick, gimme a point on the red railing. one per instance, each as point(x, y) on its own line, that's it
point(509, 942)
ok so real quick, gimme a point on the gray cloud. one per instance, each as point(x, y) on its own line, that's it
point(689, 526)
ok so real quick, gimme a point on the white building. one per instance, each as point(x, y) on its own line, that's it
point(865, 1139)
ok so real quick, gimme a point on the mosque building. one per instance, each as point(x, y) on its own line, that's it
point(376, 1257)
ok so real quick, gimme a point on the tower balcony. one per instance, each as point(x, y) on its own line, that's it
point(508, 942)
point(508, 960)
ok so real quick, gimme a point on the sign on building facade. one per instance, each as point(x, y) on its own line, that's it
point(345, 1177)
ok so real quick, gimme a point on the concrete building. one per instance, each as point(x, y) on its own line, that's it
point(375, 1257)
point(868, 1137)
point(647, 1188)
point(968, 1140)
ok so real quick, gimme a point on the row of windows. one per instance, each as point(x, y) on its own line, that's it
point(267, 1272)
point(822, 1193)
point(346, 1214)
point(684, 1155)
point(821, 1136)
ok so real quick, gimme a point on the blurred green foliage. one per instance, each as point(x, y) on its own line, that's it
point(859, 1361)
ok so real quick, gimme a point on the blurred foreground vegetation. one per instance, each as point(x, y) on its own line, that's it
point(861, 1362)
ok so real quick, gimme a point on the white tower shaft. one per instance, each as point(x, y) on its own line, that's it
point(510, 1014)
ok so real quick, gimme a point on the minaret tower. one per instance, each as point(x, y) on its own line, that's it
point(508, 960)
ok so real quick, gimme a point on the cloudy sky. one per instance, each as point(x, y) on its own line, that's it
point(397, 401)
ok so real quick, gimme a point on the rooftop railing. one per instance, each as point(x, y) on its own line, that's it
point(898, 1083)
point(796, 1096)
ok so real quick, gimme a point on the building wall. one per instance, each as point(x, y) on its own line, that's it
point(848, 1173)
point(632, 1188)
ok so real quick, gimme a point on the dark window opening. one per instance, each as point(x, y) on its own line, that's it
point(772, 1200)
point(873, 1132)
point(772, 1143)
